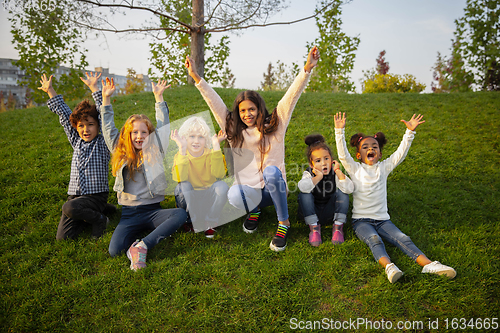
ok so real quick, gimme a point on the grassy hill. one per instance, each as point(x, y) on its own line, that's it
point(445, 195)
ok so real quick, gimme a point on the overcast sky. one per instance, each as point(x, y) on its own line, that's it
point(411, 32)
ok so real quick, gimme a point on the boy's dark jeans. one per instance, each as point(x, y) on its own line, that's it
point(81, 211)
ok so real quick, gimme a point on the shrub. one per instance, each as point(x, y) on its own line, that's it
point(393, 83)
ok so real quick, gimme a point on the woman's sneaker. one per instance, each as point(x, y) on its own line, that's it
point(315, 235)
point(436, 267)
point(251, 222)
point(279, 240)
point(393, 272)
point(137, 256)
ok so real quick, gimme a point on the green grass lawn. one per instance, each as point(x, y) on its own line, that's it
point(445, 195)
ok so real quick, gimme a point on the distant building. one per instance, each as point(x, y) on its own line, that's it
point(10, 74)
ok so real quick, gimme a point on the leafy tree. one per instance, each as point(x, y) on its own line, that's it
point(336, 49)
point(450, 75)
point(384, 83)
point(11, 101)
point(228, 79)
point(268, 83)
point(186, 25)
point(477, 37)
point(382, 68)
point(382, 65)
point(45, 40)
point(134, 83)
point(2, 103)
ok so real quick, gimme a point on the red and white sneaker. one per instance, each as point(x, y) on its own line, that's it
point(210, 233)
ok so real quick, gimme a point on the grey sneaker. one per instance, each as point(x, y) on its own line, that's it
point(436, 267)
point(393, 272)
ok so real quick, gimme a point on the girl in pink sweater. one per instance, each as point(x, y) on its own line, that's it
point(257, 140)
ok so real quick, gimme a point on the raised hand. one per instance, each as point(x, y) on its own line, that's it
point(47, 85)
point(179, 140)
point(191, 67)
point(108, 87)
point(414, 122)
point(339, 119)
point(159, 88)
point(92, 81)
point(312, 59)
point(218, 138)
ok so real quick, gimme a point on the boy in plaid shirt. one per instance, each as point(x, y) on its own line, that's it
point(88, 186)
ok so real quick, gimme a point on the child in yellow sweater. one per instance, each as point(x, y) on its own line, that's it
point(199, 170)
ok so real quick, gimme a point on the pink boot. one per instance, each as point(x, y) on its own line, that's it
point(315, 235)
point(338, 234)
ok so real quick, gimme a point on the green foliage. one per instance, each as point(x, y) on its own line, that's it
point(167, 58)
point(477, 38)
point(280, 78)
point(450, 75)
point(134, 83)
point(337, 52)
point(45, 40)
point(444, 196)
point(393, 83)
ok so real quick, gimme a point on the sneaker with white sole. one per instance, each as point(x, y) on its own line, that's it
point(279, 240)
point(137, 256)
point(251, 222)
point(436, 267)
point(393, 272)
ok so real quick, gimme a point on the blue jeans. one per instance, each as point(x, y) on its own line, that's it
point(136, 220)
point(274, 193)
point(372, 232)
point(336, 208)
point(207, 203)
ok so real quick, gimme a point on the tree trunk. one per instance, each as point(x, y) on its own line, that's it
point(198, 38)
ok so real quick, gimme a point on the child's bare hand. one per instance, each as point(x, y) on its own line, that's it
point(318, 174)
point(179, 140)
point(414, 122)
point(339, 119)
point(312, 59)
point(92, 80)
point(159, 88)
point(336, 165)
point(221, 136)
point(108, 87)
point(46, 84)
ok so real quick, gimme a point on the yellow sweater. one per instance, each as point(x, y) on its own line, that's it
point(201, 171)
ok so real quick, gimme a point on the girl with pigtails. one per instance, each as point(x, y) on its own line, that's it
point(324, 191)
point(257, 140)
point(370, 219)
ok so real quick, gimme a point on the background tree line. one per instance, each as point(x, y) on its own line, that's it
point(51, 34)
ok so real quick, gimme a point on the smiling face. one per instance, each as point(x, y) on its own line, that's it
point(248, 112)
point(321, 160)
point(369, 151)
point(87, 128)
point(139, 134)
point(196, 143)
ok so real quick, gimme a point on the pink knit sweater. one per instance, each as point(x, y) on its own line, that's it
point(247, 161)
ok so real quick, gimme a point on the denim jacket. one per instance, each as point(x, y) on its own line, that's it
point(153, 150)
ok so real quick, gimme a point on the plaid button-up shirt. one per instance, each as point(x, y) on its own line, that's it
point(89, 165)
